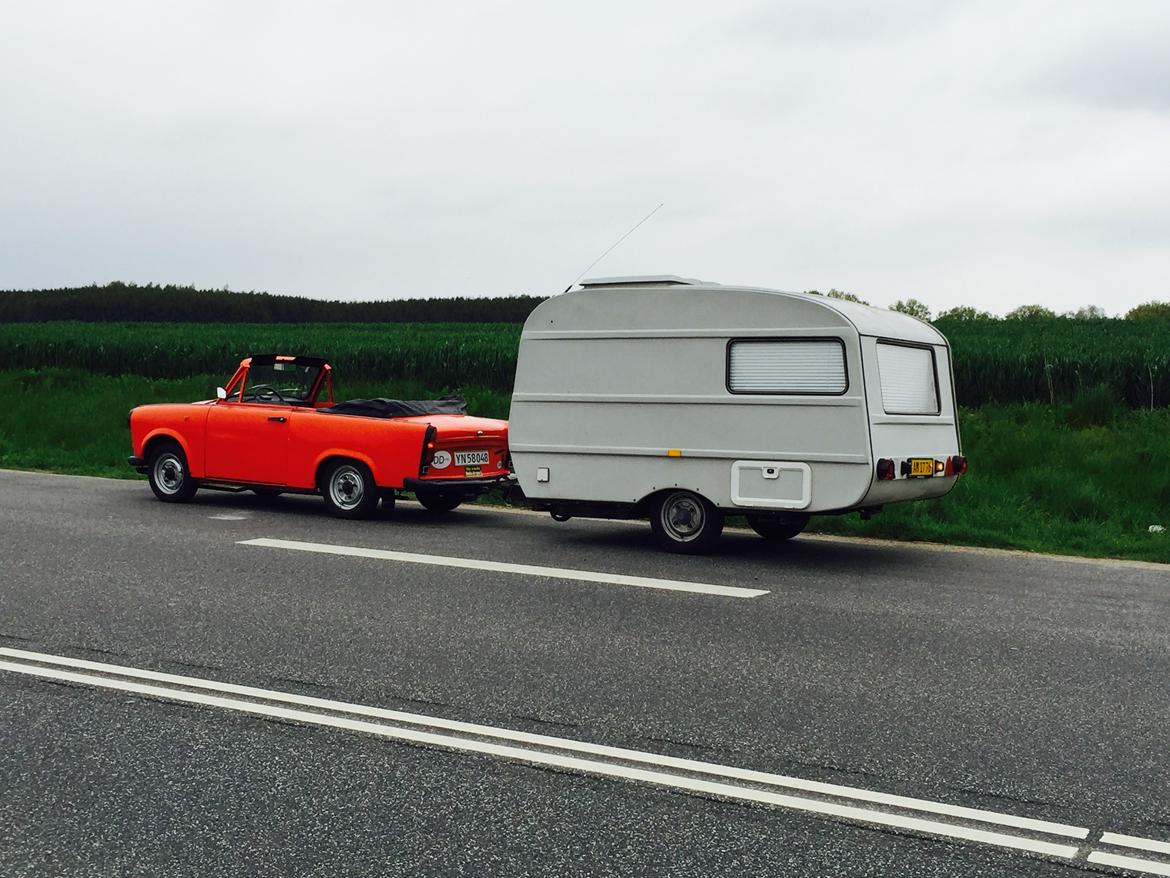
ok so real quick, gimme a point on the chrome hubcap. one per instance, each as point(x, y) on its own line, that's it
point(346, 488)
point(683, 517)
point(168, 473)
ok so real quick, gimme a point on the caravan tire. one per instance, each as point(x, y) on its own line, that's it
point(685, 522)
point(778, 528)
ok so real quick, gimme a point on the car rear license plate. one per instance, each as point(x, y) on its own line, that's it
point(471, 458)
point(921, 466)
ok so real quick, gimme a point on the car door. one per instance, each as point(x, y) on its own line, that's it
point(248, 442)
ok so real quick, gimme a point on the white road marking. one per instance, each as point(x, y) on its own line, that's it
point(565, 763)
point(807, 536)
point(726, 772)
point(1136, 841)
point(228, 516)
point(1137, 864)
point(506, 567)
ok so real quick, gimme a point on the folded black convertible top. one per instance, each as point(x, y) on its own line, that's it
point(399, 408)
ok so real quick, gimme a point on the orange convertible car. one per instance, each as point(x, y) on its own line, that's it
point(275, 428)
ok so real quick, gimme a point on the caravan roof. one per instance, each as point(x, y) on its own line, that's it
point(866, 319)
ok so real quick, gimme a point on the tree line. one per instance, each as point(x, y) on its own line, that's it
point(916, 308)
point(123, 302)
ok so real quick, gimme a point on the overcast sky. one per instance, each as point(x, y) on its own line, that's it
point(988, 153)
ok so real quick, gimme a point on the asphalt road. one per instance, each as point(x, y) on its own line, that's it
point(1019, 685)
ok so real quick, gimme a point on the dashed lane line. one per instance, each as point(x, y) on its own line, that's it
point(507, 567)
point(1134, 841)
point(1134, 864)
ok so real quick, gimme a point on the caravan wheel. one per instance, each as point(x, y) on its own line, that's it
point(685, 522)
point(778, 527)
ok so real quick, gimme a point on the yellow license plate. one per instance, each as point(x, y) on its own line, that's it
point(921, 466)
point(472, 471)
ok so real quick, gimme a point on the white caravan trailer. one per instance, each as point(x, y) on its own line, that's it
point(686, 400)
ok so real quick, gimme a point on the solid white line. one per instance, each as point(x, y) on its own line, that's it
point(505, 567)
point(723, 771)
point(1136, 841)
point(565, 763)
point(1137, 864)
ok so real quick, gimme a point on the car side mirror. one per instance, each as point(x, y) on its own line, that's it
point(220, 393)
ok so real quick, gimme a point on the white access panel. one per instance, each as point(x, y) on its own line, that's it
point(771, 484)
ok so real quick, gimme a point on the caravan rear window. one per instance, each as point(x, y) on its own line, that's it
point(787, 365)
point(909, 379)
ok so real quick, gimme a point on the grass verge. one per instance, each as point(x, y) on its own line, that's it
point(1087, 478)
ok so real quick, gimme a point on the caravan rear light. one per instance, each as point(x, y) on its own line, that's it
point(885, 470)
point(956, 465)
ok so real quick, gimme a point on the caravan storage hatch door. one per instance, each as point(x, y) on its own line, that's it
point(771, 484)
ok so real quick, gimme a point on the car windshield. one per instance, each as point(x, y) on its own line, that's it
point(280, 382)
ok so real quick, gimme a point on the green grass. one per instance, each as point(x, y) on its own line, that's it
point(1043, 480)
point(1086, 478)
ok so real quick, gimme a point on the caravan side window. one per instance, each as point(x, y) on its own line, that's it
point(787, 366)
point(909, 379)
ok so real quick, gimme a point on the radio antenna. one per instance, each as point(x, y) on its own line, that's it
point(613, 246)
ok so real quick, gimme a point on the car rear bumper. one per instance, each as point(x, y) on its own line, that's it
point(138, 463)
point(462, 487)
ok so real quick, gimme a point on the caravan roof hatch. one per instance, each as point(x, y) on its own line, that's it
point(648, 280)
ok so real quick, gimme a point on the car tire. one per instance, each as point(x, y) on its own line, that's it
point(778, 528)
point(685, 522)
point(170, 479)
point(437, 501)
point(349, 490)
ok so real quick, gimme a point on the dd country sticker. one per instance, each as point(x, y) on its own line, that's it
point(441, 459)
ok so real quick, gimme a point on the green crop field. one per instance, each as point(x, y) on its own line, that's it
point(1000, 361)
point(439, 354)
point(1055, 360)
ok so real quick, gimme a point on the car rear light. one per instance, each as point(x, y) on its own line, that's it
point(956, 465)
point(428, 448)
point(885, 470)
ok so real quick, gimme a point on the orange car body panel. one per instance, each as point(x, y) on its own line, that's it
point(239, 442)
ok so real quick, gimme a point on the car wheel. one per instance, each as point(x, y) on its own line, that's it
point(349, 490)
point(685, 522)
point(169, 477)
point(437, 501)
point(778, 527)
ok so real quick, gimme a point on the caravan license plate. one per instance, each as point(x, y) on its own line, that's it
point(921, 466)
point(471, 458)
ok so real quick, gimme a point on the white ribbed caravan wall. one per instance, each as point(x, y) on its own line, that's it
point(752, 398)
